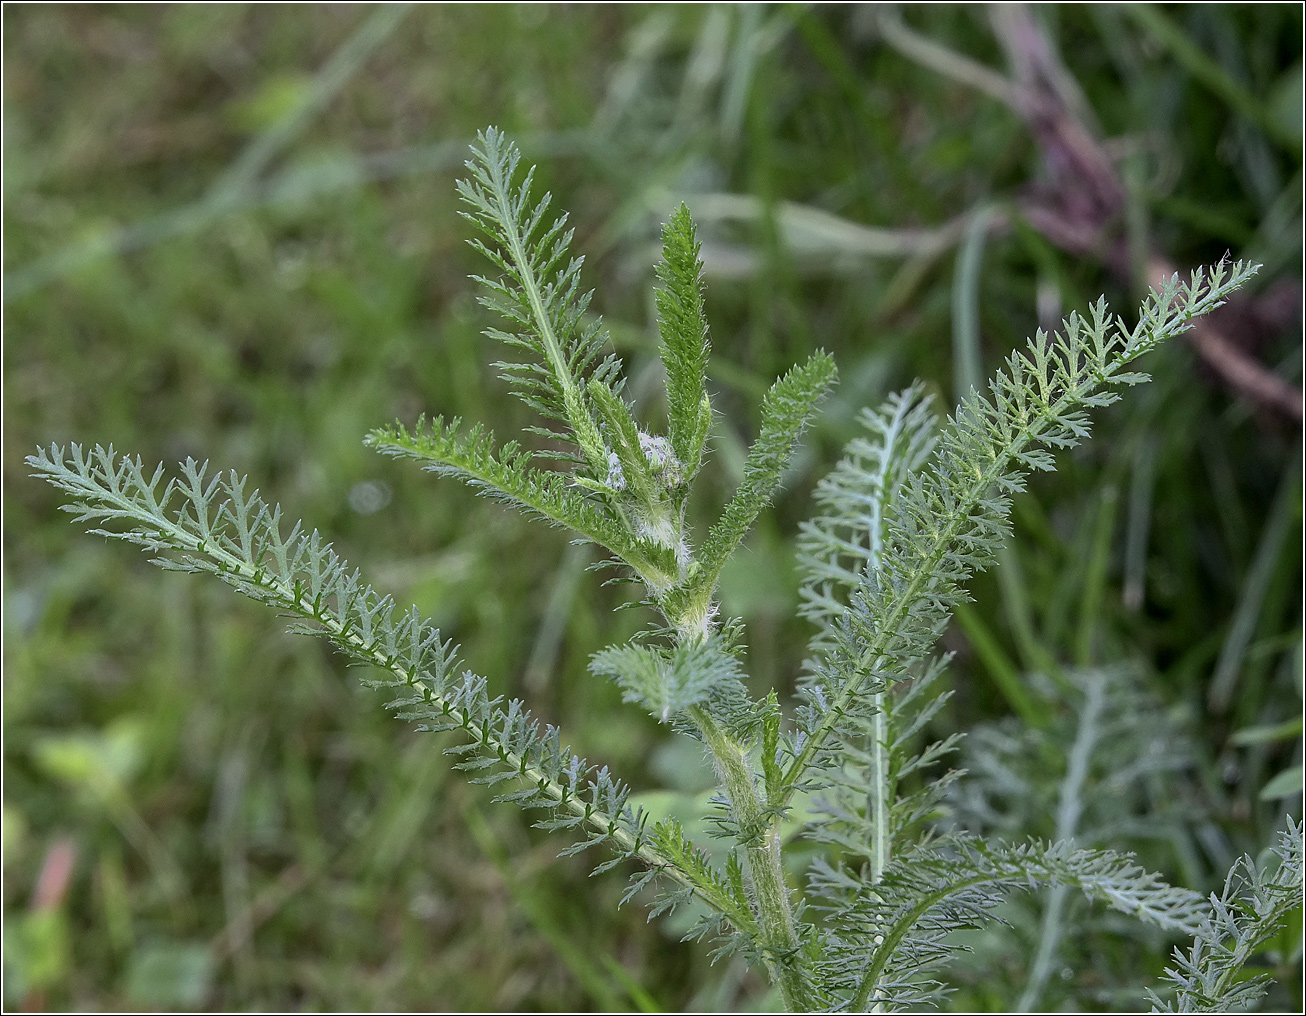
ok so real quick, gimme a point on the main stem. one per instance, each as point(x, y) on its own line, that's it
point(877, 803)
point(760, 835)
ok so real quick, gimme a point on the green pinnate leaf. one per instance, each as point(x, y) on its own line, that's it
point(682, 325)
point(1253, 905)
point(950, 517)
point(507, 475)
point(787, 410)
point(669, 681)
point(539, 295)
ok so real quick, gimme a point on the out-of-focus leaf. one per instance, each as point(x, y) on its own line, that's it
point(1286, 784)
point(170, 975)
point(36, 953)
point(99, 763)
point(1266, 733)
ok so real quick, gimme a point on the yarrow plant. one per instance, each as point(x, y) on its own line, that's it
point(916, 507)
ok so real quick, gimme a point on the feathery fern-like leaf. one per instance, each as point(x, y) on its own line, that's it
point(539, 295)
point(1207, 977)
point(669, 681)
point(840, 551)
point(951, 517)
point(887, 936)
point(682, 325)
point(787, 411)
point(212, 525)
point(508, 476)
point(841, 547)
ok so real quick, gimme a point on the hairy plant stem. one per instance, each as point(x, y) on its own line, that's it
point(878, 797)
point(877, 803)
point(759, 832)
point(880, 786)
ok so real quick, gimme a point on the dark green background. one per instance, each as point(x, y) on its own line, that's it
point(251, 829)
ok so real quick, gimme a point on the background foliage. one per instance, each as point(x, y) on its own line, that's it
point(230, 232)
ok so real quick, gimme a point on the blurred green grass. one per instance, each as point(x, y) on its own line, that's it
point(250, 829)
